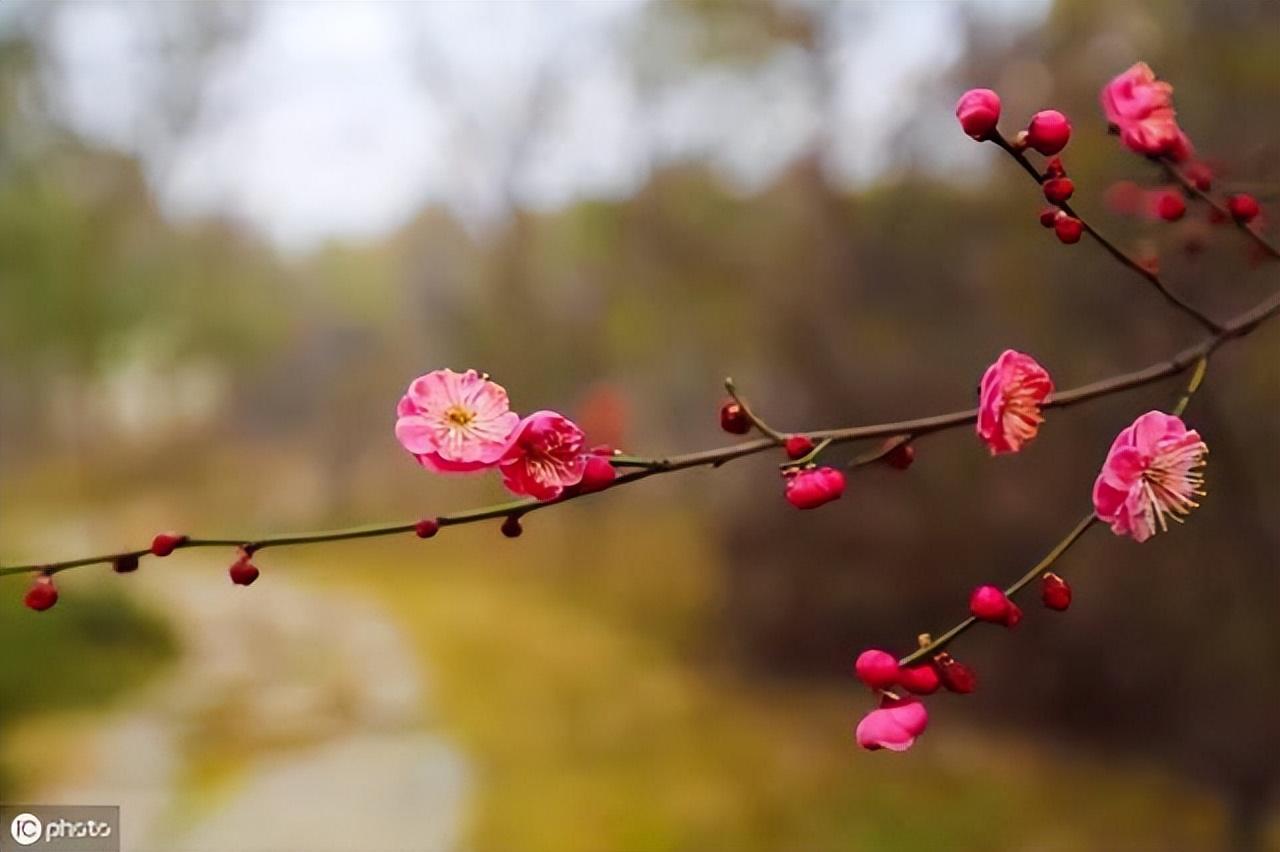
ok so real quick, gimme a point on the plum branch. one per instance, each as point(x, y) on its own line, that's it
point(638, 468)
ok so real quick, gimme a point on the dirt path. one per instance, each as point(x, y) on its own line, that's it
point(295, 719)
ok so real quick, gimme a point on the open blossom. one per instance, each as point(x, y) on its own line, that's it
point(1152, 473)
point(545, 456)
point(1012, 390)
point(894, 725)
point(1140, 107)
point(455, 422)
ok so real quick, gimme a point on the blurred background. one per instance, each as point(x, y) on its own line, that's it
point(232, 233)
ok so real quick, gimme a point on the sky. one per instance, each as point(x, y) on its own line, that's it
point(342, 120)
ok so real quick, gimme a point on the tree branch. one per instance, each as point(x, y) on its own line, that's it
point(1112, 249)
point(641, 468)
point(1171, 168)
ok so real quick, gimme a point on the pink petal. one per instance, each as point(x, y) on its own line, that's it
point(1152, 428)
point(415, 434)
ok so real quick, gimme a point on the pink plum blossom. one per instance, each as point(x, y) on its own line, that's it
point(545, 456)
point(455, 422)
point(1012, 391)
point(1140, 107)
point(894, 725)
point(1135, 95)
point(1151, 475)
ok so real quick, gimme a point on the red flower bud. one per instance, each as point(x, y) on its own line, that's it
point(1058, 190)
point(1068, 229)
point(1049, 216)
point(798, 446)
point(1243, 207)
point(733, 419)
point(1013, 617)
point(242, 571)
point(1170, 206)
point(1055, 592)
point(989, 603)
point(809, 489)
point(511, 526)
point(922, 679)
point(598, 474)
point(42, 594)
point(877, 669)
point(1200, 175)
point(955, 676)
point(1048, 132)
point(165, 543)
point(1054, 168)
point(126, 564)
point(426, 528)
point(978, 111)
point(901, 456)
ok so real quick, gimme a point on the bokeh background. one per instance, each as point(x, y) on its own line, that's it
point(231, 233)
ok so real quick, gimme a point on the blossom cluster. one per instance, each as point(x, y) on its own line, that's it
point(463, 423)
point(1153, 471)
point(1139, 109)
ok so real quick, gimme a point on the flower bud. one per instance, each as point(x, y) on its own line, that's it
point(1200, 175)
point(1048, 132)
point(42, 594)
point(242, 571)
point(1054, 168)
point(733, 419)
point(598, 474)
point(1169, 206)
point(1049, 216)
point(922, 679)
point(511, 527)
point(798, 446)
point(166, 542)
point(1058, 190)
point(877, 669)
point(955, 676)
point(1243, 207)
point(978, 111)
point(125, 564)
point(1055, 592)
point(811, 488)
point(1068, 229)
point(901, 456)
point(894, 725)
point(426, 528)
point(989, 603)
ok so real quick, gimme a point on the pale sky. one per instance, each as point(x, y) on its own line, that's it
point(344, 119)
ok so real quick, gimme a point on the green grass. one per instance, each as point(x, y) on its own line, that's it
point(94, 646)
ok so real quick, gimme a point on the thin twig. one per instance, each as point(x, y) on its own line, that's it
point(1188, 185)
point(756, 421)
point(1115, 251)
point(937, 645)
